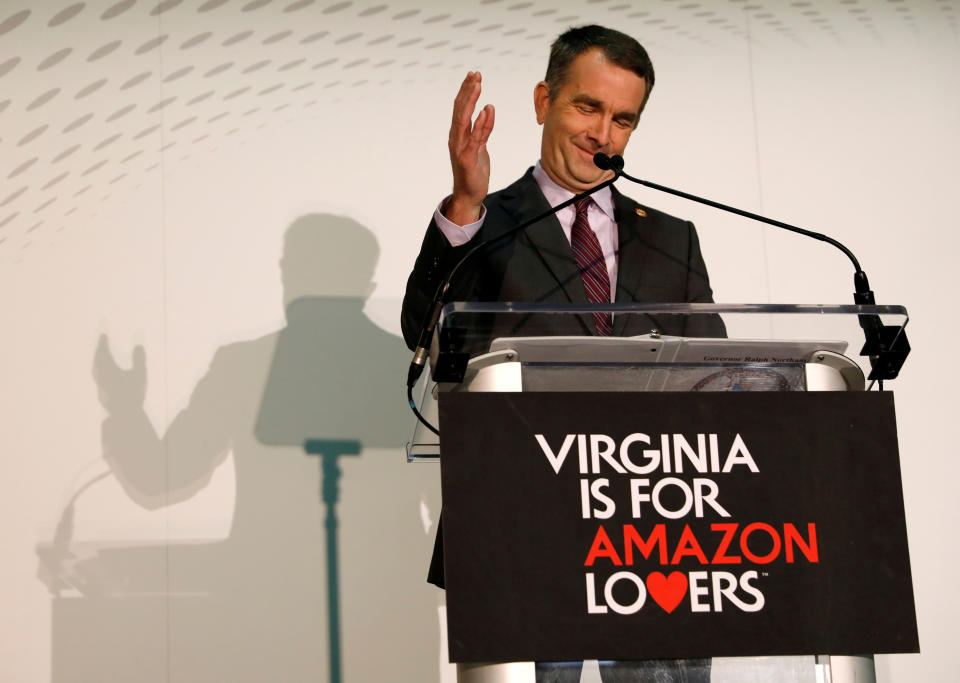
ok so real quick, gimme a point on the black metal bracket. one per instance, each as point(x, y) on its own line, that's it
point(888, 348)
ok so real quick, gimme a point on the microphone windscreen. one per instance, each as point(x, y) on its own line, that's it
point(616, 162)
point(602, 161)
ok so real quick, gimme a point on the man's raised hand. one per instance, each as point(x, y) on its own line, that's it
point(468, 153)
point(119, 390)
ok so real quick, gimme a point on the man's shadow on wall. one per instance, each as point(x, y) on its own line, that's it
point(255, 607)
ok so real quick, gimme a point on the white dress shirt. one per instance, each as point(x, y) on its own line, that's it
point(599, 214)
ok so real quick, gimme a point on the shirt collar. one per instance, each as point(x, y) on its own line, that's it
point(555, 194)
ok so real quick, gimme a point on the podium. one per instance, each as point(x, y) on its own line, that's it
point(557, 446)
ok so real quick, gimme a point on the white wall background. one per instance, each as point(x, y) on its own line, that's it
point(154, 155)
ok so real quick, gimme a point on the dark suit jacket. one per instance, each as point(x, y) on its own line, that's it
point(659, 262)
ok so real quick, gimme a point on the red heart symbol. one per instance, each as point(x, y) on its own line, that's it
point(667, 591)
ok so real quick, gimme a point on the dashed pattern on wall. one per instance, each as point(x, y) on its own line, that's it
point(95, 97)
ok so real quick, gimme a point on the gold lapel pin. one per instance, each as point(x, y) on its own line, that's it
point(641, 213)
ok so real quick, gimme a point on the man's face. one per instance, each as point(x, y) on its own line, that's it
point(595, 110)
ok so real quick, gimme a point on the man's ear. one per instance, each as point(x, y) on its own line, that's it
point(541, 100)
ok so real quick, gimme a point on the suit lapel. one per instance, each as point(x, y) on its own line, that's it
point(524, 200)
point(632, 254)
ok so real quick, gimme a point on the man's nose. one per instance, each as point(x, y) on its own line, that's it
point(600, 132)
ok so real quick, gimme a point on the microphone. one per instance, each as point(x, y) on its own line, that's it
point(886, 346)
point(608, 163)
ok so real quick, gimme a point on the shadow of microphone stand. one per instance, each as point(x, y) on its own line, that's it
point(330, 451)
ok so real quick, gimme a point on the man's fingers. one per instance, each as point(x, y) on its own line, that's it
point(477, 125)
point(463, 107)
point(481, 130)
point(468, 157)
point(460, 99)
point(484, 125)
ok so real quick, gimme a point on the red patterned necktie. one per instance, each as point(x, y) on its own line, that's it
point(593, 267)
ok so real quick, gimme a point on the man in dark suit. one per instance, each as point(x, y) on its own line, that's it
point(608, 248)
point(597, 83)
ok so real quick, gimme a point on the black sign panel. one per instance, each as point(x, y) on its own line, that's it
point(666, 525)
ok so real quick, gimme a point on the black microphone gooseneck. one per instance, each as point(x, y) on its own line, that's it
point(433, 312)
point(886, 346)
point(617, 159)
